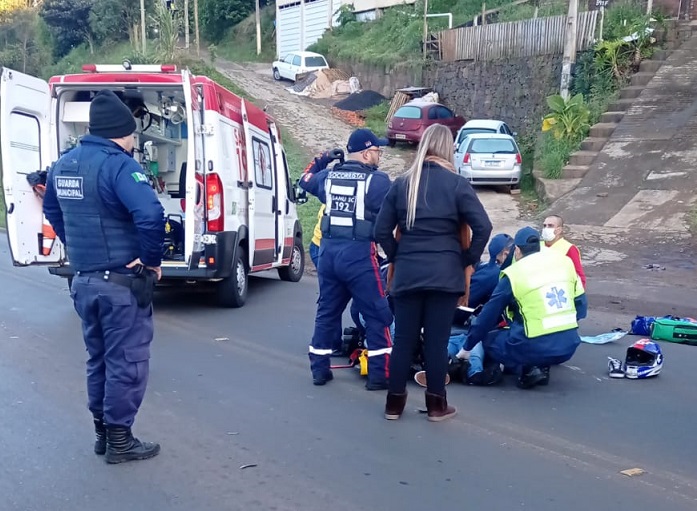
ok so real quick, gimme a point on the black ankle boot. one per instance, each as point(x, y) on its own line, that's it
point(100, 432)
point(123, 446)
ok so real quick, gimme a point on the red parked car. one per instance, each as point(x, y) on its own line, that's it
point(411, 120)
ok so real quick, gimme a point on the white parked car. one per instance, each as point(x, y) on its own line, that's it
point(482, 126)
point(297, 63)
point(489, 159)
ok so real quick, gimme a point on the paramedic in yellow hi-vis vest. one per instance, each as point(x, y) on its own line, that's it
point(545, 299)
point(553, 237)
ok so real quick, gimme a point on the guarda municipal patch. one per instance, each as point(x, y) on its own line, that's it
point(139, 177)
point(69, 188)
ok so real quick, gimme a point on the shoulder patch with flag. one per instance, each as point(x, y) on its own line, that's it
point(139, 177)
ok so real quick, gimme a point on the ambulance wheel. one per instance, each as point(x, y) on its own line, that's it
point(232, 291)
point(276, 74)
point(294, 271)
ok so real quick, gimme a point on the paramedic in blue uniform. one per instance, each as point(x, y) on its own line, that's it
point(353, 193)
point(545, 300)
point(107, 215)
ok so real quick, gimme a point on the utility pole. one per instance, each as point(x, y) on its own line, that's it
point(198, 46)
point(425, 27)
point(569, 48)
point(258, 21)
point(142, 22)
point(186, 24)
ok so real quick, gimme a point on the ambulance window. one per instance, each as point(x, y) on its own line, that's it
point(25, 141)
point(262, 163)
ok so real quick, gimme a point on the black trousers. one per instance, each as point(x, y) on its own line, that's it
point(433, 311)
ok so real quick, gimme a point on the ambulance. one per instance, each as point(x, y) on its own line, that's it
point(215, 161)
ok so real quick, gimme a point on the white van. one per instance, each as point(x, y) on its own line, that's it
point(215, 160)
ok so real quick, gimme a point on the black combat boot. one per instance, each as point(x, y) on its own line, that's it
point(123, 446)
point(100, 432)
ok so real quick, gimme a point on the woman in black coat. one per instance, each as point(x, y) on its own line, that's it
point(428, 204)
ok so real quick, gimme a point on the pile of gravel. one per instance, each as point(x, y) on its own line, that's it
point(361, 100)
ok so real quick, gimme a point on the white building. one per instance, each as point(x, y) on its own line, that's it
point(300, 23)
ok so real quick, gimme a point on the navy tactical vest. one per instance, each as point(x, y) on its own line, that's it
point(345, 215)
point(97, 238)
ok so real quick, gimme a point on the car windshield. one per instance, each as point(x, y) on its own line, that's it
point(315, 62)
point(492, 145)
point(469, 131)
point(409, 112)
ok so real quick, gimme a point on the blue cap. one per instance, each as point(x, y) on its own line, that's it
point(498, 243)
point(363, 139)
point(527, 236)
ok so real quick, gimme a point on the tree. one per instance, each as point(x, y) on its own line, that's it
point(217, 16)
point(68, 22)
point(21, 46)
point(114, 20)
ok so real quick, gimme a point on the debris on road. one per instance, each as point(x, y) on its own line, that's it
point(654, 267)
point(631, 472)
point(219, 339)
point(325, 83)
point(352, 118)
point(250, 465)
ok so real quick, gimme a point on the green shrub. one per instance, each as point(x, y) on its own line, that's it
point(568, 118)
point(553, 154)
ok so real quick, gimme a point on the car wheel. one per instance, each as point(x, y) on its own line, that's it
point(232, 291)
point(276, 74)
point(294, 271)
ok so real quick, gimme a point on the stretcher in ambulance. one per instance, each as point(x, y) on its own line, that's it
point(214, 159)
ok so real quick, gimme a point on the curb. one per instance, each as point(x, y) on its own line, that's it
point(549, 190)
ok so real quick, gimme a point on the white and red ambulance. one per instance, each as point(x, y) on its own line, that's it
point(214, 159)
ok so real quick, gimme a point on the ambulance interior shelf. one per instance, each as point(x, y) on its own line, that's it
point(159, 148)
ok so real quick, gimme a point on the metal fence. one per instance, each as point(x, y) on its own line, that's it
point(539, 36)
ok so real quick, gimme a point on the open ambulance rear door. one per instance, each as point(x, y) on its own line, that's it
point(25, 145)
point(251, 191)
point(195, 204)
point(281, 202)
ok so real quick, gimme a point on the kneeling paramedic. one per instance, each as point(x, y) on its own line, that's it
point(545, 300)
point(108, 217)
point(353, 193)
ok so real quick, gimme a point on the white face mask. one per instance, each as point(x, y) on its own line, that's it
point(548, 234)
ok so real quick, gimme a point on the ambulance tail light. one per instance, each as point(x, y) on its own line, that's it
point(466, 159)
point(214, 203)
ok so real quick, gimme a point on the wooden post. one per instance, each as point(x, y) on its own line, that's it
point(425, 27)
point(142, 23)
point(198, 46)
point(649, 7)
point(569, 49)
point(258, 23)
point(186, 24)
point(484, 13)
point(602, 21)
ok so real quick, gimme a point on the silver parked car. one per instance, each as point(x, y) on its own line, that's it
point(489, 159)
point(482, 126)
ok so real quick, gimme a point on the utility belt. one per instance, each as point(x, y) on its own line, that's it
point(361, 230)
point(142, 284)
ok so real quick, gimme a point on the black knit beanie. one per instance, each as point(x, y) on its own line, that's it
point(110, 117)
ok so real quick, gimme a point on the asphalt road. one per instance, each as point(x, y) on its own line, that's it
point(232, 387)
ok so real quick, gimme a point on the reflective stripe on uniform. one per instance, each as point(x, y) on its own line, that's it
point(341, 190)
point(360, 200)
point(382, 351)
point(566, 320)
point(341, 221)
point(321, 352)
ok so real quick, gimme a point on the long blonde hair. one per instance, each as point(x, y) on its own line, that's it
point(437, 146)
